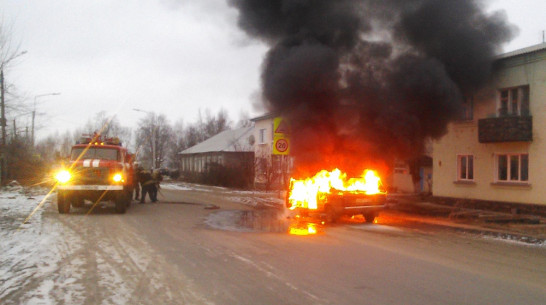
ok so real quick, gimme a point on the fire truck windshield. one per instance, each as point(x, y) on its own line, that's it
point(95, 153)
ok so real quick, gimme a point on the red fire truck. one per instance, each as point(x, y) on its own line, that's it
point(99, 170)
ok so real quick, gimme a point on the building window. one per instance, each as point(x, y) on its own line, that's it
point(514, 101)
point(513, 167)
point(468, 109)
point(465, 165)
point(262, 136)
point(400, 167)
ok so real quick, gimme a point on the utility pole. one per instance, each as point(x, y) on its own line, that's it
point(3, 162)
point(14, 130)
point(3, 119)
point(34, 114)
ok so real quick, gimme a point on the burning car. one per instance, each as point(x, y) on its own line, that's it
point(332, 195)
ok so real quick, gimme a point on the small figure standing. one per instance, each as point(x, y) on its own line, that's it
point(157, 177)
point(148, 186)
point(136, 181)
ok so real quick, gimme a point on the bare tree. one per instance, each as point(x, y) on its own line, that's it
point(265, 172)
point(108, 126)
point(58, 146)
point(193, 136)
point(205, 128)
point(272, 170)
point(212, 125)
point(8, 52)
point(178, 143)
point(244, 120)
point(153, 140)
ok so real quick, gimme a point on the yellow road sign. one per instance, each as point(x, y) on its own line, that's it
point(280, 126)
point(281, 145)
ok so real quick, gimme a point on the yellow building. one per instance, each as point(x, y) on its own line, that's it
point(497, 152)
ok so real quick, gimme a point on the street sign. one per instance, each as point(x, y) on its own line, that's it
point(281, 146)
point(280, 126)
point(281, 130)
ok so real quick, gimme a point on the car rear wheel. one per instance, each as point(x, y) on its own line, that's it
point(370, 217)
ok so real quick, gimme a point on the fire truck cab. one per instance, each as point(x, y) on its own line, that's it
point(99, 170)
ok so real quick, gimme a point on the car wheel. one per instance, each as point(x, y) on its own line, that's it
point(369, 217)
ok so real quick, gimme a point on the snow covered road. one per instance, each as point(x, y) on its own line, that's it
point(79, 259)
point(181, 252)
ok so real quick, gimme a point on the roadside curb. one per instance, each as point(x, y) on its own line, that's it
point(441, 223)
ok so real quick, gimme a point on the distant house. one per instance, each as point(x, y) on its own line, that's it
point(230, 149)
point(271, 170)
point(495, 153)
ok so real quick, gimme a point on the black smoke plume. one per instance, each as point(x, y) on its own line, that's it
point(368, 81)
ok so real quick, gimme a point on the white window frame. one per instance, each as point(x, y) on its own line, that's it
point(272, 131)
point(515, 96)
point(468, 110)
point(262, 136)
point(400, 167)
point(469, 167)
point(509, 168)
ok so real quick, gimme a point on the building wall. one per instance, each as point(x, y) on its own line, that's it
point(462, 138)
point(262, 149)
point(400, 181)
point(197, 163)
point(271, 171)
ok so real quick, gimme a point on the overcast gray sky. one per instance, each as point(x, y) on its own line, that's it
point(168, 56)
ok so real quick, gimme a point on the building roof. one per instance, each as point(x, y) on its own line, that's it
point(527, 50)
point(266, 116)
point(236, 140)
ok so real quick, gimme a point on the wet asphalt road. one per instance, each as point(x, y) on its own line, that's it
point(168, 253)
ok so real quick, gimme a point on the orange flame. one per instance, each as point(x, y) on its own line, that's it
point(307, 192)
point(307, 229)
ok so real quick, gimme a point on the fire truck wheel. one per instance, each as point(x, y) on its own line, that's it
point(77, 202)
point(121, 206)
point(129, 197)
point(63, 205)
point(121, 202)
point(369, 217)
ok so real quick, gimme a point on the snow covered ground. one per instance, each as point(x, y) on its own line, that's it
point(53, 260)
point(31, 249)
